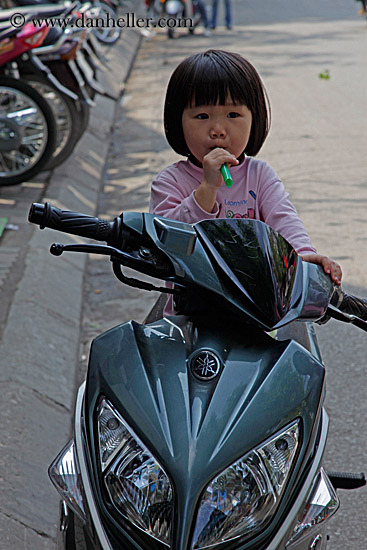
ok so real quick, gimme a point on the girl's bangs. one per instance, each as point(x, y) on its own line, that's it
point(213, 85)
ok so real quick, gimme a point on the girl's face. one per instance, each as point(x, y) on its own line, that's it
point(209, 126)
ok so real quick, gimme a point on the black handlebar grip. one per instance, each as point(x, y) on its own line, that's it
point(354, 306)
point(74, 223)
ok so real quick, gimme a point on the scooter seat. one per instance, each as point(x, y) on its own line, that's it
point(34, 2)
point(6, 31)
point(5, 25)
point(39, 10)
point(52, 36)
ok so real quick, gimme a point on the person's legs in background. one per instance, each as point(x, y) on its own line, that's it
point(228, 14)
point(204, 17)
point(214, 14)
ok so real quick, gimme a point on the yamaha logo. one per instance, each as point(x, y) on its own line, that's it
point(205, 365)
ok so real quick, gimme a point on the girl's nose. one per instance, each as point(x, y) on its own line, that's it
point(217, 131)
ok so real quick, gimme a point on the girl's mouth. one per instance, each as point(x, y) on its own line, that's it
point(218, 147)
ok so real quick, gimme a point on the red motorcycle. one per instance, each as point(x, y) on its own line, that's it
point(62, 67)
point(27, 124)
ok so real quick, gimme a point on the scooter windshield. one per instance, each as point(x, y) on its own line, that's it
point(259, 261)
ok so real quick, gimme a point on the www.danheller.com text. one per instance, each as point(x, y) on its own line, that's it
point(130, 20)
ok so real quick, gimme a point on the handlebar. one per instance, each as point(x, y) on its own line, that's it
point(74, 223)
point(125, 243)
point(347, 308)
point(116, 234)
point(353, 306)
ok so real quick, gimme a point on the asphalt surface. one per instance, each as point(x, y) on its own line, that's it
point(317, 145)
point(41, 303)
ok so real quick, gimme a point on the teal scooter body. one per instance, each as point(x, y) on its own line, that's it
point(203, 430)
point(196, 428)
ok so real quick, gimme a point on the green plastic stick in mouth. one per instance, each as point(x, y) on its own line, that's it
point(226, 175)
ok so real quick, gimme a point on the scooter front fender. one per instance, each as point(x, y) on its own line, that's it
point(40, 66)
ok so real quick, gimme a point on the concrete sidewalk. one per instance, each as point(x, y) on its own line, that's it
point(40, 343)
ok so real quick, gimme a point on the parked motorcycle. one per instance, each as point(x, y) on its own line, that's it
point(107, 32)
point(27, 124)
point(74, 58)
point(201, 430)
point(17, 60)
point(61, 65)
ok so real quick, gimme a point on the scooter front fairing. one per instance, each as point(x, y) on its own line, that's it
point(186, 453)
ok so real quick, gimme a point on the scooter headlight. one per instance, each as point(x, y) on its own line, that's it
point(136, 484)
point(245, 495)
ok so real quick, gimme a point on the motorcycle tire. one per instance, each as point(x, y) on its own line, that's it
point(32, 133)
point(84, 113)
point(104, 34)
point(69, 116)
point(82, 119)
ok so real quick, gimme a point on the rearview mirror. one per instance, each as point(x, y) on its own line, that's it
point(178, 237)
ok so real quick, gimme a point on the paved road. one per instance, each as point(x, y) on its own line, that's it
point(317, 144)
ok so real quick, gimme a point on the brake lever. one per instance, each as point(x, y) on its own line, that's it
point(338, 315)
point(57, 249)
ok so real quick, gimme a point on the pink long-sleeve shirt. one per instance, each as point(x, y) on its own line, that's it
point(257, 192)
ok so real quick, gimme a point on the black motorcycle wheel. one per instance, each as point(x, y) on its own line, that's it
point(27, 132)
point(70, 116)
point(107, 35)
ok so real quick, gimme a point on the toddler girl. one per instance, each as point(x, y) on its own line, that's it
point(217, 112)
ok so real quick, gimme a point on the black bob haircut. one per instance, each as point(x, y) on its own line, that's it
point(208, 78)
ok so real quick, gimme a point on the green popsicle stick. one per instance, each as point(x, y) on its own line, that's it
point(226, 175)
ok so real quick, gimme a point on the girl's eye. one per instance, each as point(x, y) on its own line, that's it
point(233, 115)
point(202, 116)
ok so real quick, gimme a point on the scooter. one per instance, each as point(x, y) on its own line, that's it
point(27, 125)
point(204, 429)
point(67, 55)
point(106, 10)
point(61, 64)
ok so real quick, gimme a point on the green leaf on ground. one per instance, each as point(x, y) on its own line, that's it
point(325, 75)
point(3, 222)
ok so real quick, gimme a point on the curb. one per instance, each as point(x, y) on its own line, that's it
point(41, 338)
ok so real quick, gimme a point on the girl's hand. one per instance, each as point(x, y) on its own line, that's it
point(212, 163)
point(330, 267)
point(206, 193)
